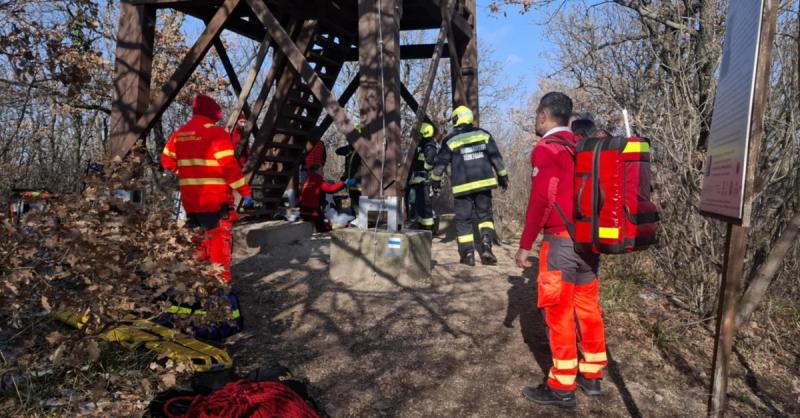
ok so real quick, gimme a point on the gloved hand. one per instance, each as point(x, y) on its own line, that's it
point(503, 181)
point(247, 202)
point(436, 187)
point(350, 182)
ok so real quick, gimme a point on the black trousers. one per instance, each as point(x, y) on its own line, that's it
point(422, 206)
point(473, 212)
point(355, 195)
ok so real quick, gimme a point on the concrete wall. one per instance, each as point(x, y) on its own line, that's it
point(394, 256)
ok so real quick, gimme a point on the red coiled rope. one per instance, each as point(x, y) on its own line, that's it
point(246, 399)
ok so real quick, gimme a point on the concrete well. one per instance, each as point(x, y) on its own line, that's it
point(402, 255)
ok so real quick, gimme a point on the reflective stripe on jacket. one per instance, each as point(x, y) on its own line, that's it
point(475, 160)
point(201, 153)
point(424, 157)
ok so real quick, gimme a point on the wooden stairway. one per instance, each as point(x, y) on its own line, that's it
point(293, 115)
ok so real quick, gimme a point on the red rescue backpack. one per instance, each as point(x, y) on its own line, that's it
point(613, 213)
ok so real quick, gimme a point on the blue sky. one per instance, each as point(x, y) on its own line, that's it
point(517, 41)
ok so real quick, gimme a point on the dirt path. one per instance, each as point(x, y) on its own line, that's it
point(374, 347)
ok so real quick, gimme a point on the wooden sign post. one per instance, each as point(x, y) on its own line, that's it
point(732, 163)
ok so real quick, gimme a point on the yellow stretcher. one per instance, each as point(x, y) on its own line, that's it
point(166, 342)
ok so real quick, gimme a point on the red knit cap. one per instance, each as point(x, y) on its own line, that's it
point(206, 106)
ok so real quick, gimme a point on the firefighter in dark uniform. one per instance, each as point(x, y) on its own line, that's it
point(419, 179)
point(352, 170)
point(476, 168)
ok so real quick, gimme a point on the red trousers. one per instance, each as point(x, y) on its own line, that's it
point(216, 246)
point(568, 292)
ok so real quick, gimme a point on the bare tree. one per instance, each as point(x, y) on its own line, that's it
point(658, 59)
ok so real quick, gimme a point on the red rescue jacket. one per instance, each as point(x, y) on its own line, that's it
point(313, 189)
point(201, 154)
point(552, 180)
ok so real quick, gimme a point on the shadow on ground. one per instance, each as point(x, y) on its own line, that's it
point(379, 346)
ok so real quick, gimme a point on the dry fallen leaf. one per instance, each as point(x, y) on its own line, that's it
point(56, 337)
point(55, 358)
point(46, 304)
point(169, 379)
point(93, 350)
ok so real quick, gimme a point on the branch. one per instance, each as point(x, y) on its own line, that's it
point(617, 42)
point(647, 13)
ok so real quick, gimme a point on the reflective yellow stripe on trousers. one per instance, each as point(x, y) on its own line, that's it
point(466, 239)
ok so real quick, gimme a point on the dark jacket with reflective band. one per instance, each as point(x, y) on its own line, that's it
point(423, 162)
point(474, 158)
point(352, 164)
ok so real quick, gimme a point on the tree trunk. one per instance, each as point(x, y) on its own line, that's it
point(758, 287)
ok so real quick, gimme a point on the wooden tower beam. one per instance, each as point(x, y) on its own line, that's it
point(132, 72)
point(379, 93)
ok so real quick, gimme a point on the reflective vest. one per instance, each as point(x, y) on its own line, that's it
point(201, 153)
point(474, 159)
point(423, 162)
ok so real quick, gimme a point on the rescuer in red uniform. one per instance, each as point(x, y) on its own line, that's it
point(201, 154)
point(236, 138)
point(567, 283)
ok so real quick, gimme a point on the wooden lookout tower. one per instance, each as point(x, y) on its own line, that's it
point(310, 40)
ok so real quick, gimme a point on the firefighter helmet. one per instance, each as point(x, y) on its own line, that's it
point(427, 130)
point(462, 116)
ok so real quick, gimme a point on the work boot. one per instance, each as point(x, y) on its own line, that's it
point(487, 257)
point(590, 387)
point(468, 258)
point(545, 396)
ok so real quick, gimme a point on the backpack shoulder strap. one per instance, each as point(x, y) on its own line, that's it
point(568, 145)
point(571, 149)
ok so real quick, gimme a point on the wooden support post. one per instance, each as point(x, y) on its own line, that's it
point(736, 241)
point(408, 97)
point(132, 71)
point(464, 64)
point(379, 92)
point(310, 77)
point(244, 91)
point(457, 83)
point(730, 288)
point(185, 69)
point(348, 92)
point(234, 79)
point(420, 111)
